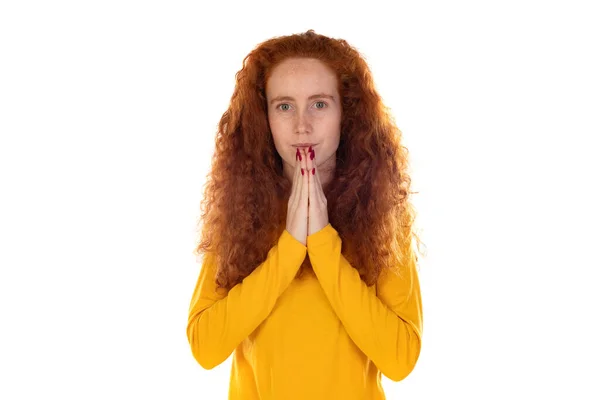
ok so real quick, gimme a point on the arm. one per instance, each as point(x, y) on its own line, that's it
point(218, 323)
point(386, 325)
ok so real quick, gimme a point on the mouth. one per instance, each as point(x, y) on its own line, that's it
point(304, 145)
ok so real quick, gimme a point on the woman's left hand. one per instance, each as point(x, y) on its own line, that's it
point(317, 202)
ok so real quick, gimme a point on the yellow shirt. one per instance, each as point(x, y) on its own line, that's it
point(328, 336)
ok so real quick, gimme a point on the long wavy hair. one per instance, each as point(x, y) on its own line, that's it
point(243, 211)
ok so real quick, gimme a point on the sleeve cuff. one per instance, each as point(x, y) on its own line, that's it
point(322, 237)
point(291, 247)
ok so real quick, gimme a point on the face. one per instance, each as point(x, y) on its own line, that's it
point(304, 107)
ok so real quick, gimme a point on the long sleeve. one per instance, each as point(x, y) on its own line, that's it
point(218, 323)
point(386, 323)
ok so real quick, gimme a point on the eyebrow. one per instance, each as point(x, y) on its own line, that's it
point(314, 96)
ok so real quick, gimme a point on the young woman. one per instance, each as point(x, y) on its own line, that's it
point(308, 272)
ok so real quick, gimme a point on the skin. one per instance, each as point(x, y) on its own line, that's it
point(303, 119)
point(310, 112)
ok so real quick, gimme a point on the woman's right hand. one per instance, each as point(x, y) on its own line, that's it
point(297, 213)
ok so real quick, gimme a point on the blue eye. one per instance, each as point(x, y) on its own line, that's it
point(321, 102)
point(282, 105)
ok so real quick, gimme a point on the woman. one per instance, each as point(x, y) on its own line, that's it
point(308, 271)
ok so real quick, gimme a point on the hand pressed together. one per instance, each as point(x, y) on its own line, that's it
point(307, 206)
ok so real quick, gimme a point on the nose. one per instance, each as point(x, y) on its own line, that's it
point(302, 123)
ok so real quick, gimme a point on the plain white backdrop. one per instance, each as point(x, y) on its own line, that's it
point(108, 113)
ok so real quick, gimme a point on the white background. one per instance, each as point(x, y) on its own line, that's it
point(108, 113)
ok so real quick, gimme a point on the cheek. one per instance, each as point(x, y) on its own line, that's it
point(280, 138)
point(280, 129)
point(276, 128)
point(332, 126)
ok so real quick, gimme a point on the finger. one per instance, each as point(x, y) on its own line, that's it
point(305, 178)
point(320, 184)
point(311, 179)
point(304, 188)
point(297, 179)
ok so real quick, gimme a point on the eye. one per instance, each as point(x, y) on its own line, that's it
point(284, 105)
point(322, 103)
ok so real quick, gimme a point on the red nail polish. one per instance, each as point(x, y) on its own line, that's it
point(298, 156)
point(313, 171)
point(302, 170)
point(310, 148)
point(312, 155)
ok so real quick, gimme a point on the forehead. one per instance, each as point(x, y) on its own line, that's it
point(300, 75)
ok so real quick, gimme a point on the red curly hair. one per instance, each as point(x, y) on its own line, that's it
point(244, 208)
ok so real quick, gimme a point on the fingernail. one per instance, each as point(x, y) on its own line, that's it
point(312, 155)
point(298, 154)
point(313, 171)
point(309, 148)
point(302, 170)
